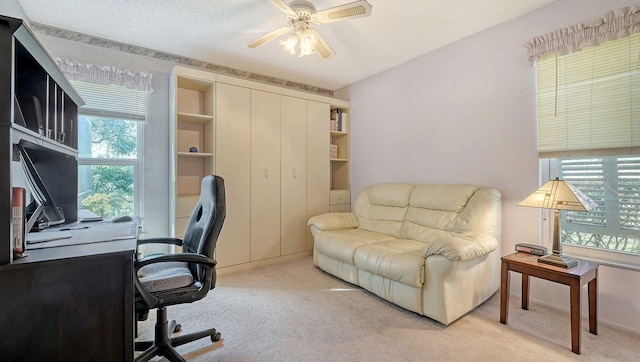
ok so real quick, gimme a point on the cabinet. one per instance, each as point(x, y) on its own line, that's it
point(233, 145)
point(340, 198)
point(191, 130)
point(293, 179)
point(318, 171)
point(271, 146)
point(38, 108)
point(265, 175)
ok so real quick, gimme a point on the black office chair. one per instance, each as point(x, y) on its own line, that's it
point(168, 279)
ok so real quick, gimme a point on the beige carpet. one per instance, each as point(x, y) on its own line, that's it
point(293, 311)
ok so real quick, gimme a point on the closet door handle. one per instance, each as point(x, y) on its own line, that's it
point(293, 173)
point(266, 173)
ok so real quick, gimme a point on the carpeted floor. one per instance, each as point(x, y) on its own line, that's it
point(293, 311)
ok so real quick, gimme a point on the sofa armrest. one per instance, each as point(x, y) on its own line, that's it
point(334, 221)
point(464, 246)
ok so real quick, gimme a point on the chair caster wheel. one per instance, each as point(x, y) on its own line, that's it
point(177, 328)
point(215, 337)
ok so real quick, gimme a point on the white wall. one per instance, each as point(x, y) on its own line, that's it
point(12, 8)
point(466, 113)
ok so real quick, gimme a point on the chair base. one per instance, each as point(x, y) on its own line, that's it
point(163, 344)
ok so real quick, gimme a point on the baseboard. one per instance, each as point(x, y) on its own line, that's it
point(601, 320)
point(254, 264)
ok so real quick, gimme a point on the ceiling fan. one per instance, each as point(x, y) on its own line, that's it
point(300, 14)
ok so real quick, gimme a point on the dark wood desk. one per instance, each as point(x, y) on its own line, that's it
point(575, 278)
point(72, 299)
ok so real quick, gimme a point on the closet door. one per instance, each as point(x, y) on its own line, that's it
point(293, 143)
point(318, 172)
point(233, 145)
point(265, 175)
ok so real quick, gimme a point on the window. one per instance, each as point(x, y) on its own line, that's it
point(614, 183)
point(589, 127)
point(109, 149)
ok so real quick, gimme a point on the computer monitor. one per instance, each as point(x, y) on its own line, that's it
point(41, 196)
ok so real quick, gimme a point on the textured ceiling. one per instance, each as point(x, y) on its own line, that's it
point(217, 31)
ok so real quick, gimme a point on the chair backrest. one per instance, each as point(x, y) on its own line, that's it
point(205, 223)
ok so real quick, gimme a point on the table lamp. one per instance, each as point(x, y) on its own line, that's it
point(558, 195)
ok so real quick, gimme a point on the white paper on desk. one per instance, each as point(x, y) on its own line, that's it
point(86, 215)
point(42, 236)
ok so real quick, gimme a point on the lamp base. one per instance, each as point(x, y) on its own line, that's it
point(558, 260)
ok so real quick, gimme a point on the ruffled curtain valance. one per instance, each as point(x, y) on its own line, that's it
point(613, 25)
point(104, 75)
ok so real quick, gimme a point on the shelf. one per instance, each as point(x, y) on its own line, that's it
point(194, 154)
point(339, 156)
point(194, 118)
point(192, 125)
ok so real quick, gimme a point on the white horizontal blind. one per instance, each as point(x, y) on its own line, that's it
point(589, 101)
point(112, 101)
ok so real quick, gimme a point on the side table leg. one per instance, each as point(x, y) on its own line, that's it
point(525, 291)
point(593, 304)
point(504, 293)
point(575, 315)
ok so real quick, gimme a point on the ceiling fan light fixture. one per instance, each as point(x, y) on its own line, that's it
point(308, 42)
point(299, 14)
point(289, 45)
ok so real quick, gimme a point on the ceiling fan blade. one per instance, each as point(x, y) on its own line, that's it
point(285, 8)
point(269, 37)
point(356, 9)
point(323, 49)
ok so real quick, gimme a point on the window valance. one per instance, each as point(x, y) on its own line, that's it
point(613, 25)
point(104, 75)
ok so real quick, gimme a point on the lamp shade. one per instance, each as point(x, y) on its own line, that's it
point(559, 195)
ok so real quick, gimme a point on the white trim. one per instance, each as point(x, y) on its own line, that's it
point(612, 258)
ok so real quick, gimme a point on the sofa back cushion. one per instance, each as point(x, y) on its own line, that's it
point(382, 208)
point(437, 211)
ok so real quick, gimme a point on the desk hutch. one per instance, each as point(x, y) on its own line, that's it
point(71, 302)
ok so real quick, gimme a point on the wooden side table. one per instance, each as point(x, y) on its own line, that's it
point(575, 278)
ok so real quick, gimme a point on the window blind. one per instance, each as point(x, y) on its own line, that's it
point(589, 101)
point(112, 101)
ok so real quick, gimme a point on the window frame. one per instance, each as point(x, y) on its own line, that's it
point(137, 163)
point(613, 258)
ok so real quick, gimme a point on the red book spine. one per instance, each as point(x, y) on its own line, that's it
point(18, 216)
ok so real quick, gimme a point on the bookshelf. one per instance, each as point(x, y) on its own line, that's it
point(38, 108)
point(192, 131)
point(340, 194)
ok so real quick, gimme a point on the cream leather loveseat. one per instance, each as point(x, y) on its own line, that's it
point(432, 249)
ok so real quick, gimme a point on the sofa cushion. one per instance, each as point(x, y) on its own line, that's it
point(434, 211)
point(401, 260)
point(382, 208)
point(452, 198)
point(342, 244)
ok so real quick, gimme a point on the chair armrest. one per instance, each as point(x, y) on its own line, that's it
point(334, 221)
point(181, 257)
point(464, 246)
point(160, 240)
point(173, 241)
point(149, 299)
